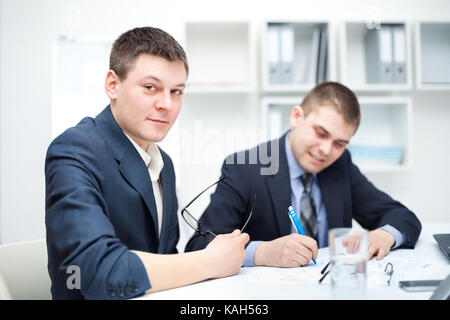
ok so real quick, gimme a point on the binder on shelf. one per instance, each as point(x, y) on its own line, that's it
point(385, 51)
point(379, 56)
point(399, 44)
point(286, 54)
point(275, 121)
point(273, 34)
point(312, 71)
point(322, 54)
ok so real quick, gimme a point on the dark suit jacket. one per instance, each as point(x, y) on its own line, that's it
point(346, 194)
point(99, 206)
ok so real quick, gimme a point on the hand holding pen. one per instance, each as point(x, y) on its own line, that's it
point(297, 224)
point(292, 250)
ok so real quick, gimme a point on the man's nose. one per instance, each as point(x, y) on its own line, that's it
point(325, 147)
point(164, 100)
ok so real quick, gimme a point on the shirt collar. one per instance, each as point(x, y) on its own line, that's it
point(152, 158)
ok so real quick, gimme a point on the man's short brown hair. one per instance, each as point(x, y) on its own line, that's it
point(335, 95)
point(148, 40)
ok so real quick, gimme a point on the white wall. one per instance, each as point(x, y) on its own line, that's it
point(28, 29)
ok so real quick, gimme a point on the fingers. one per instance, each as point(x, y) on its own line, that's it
point(378, 251)
point(310, 244)
point(245, 238)
point(372, 250)
point(352, 243)
point(304, 249)
point(233, 234)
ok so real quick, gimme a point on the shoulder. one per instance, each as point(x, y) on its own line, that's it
point(82, 143)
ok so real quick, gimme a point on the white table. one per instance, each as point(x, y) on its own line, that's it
point(251, 282)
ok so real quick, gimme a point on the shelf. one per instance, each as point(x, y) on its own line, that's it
point(296, 55)
point(386, 124)
point(220, 56)
point(275, 115)
point(376, 58)
point(385, 132)
point(433, 55)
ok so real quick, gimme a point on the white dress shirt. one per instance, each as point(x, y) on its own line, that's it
point(154, 162)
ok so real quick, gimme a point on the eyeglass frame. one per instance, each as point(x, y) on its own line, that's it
point(204, 234)
point(388, 270)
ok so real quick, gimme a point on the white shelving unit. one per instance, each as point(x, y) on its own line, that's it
point(383, 141)
point(275, 115)
point(221, 56)
point(376, 56)
point(291, 55)
point(433, 55)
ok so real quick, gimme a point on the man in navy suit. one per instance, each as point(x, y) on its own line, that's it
point(315, 174)
point(111, 207)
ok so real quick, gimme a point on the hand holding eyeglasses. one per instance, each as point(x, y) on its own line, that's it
point(226, 253)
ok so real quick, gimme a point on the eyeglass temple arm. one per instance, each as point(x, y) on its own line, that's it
point(223, 177)
point(250, 215)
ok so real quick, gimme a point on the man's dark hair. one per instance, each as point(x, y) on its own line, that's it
point(148, 40)
point(335, 95)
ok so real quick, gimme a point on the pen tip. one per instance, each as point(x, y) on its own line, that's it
point(290, 208)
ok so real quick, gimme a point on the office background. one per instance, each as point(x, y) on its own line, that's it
point(31, 31)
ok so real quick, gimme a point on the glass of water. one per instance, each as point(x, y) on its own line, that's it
point(348, 252)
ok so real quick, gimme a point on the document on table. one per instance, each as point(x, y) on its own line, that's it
point(268, 275)
point(404, 269)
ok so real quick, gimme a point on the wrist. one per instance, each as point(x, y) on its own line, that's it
point(206, 263)
point(259, 259)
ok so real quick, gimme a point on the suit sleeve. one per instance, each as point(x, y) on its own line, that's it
point(373, 208)
point(78, 227)
point(228, 208)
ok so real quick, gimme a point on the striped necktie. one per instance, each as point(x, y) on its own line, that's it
point(308, 211)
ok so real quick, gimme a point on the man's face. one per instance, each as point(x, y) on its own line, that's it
point(147, 102)
point(318, 139)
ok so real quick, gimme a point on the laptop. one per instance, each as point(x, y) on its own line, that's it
point(443, 241)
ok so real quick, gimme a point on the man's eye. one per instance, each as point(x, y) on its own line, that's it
point(177, 92)
point(150, 88)
point(320, 133)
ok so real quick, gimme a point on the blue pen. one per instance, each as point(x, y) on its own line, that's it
point(297, 224)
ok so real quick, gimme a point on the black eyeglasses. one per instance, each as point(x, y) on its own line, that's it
point(195, 224)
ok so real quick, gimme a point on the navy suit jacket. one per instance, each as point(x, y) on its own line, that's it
point(99, 206)
point(346, 194)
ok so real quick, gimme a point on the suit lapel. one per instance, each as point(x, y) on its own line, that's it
point(131, 166)
point(166, 192)
point(280, 191)
point(135, 172)
point(330, 183)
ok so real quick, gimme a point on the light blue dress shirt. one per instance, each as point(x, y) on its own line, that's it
point(295, 171)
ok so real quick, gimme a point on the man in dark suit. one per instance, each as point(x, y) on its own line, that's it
point(314, 173)
point(111, 207)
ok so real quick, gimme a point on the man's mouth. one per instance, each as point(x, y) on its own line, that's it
point(158, 121)
point(317, 158)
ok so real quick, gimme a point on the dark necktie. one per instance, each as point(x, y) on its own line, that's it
point(308, 211)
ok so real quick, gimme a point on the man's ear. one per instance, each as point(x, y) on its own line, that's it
point(111, 83)
point(296, 115)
